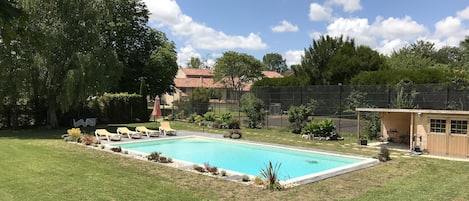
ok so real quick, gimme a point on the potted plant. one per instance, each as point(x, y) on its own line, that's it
point(363, 141)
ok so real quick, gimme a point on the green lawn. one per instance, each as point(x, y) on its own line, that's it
point(38, 165)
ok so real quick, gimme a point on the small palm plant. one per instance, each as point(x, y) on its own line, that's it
point(270, 173)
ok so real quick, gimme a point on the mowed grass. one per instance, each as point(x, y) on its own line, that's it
point(38, 165)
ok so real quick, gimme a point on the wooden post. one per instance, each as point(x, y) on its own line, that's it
point(412, 122)
point(358, 127)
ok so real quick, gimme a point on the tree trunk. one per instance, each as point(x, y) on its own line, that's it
point(52, 116)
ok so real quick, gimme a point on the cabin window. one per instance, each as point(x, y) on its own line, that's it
point(458, 127)
point(438, 125)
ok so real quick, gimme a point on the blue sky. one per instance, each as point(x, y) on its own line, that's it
point(207, 28)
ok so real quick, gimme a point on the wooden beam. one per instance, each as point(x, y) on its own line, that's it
point(358, 126)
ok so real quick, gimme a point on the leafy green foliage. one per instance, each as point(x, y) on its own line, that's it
point(210, 116)
point(253, 107)
point(120, 108)
point(199, 100)
point(405, 96)
point(195, 62)
point(356, 99)
point(323, 128)
point(235, 69)
point(298, 115)
point(335, 60)
point(372, 125)
point(275, 62)
point(394, 76)
point(270, 173)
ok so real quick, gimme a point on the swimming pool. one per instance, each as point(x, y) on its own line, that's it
point(249, 158)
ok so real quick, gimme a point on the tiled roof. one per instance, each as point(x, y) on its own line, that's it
point(193, 82)
point(272, 74)
point(197, 72)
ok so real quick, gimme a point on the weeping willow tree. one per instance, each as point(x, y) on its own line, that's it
point(72, 62)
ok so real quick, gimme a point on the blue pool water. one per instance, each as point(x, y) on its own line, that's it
point(244, 158)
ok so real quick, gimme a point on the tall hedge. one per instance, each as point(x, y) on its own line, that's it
point(122, 108)
point(394, 76)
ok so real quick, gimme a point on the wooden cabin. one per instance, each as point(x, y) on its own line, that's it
point(436, 132)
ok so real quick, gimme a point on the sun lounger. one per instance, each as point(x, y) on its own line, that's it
point(129, 133)
point(109, 136)
point(148, 132)
point(166, 129)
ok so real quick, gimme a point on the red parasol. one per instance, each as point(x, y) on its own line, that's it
point(156, 108)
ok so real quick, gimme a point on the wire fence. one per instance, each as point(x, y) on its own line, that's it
point(339, 101)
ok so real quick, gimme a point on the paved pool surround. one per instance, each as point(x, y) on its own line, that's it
point(236, 176)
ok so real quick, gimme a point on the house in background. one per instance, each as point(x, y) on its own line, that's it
point(436, 132)
point(188, 79)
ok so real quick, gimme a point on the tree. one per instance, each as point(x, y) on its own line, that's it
point(415, 56)
point(73, 61)
point(137, 46)
point(161, 67)
point(275, 62)
point(235, 70)
point(195, 62)
point(253, 107)
point(335, 60)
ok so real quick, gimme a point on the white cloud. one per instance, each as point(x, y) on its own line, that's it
point(404, 28)
point(464, 14)
point(383, 35)
point(293, 56)
point(356, 28)
point(387, 47)
point(347, 5)
point(285, 26)
point(168, 13)
point(315, 35)
point(185, 54)
point(318, 12)
point(450, 26)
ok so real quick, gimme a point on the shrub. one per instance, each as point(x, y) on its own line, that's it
point(384, 154)
point(323, 128)
point(198, 119)
point(87, 139)
point(226, 117)
point(210, 116)
point(154, 156)
point(169, 117)
point(253, 108)
point(234, 134)
point(234, 124)
point(298, 116)
point(163, 159)
point(116, 149)
point(258, 181)
point(245, 178)
point(199, 168)
point(372, 125)
point(180, 115)
point(270, 173)
point(211, 169)
point(191, 118)
point(75, 134)
point(223, 173)
point(121, 108)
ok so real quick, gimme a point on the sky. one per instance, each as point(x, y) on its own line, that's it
point(207, 28)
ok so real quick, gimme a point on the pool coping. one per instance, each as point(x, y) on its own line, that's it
point(236, 176)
